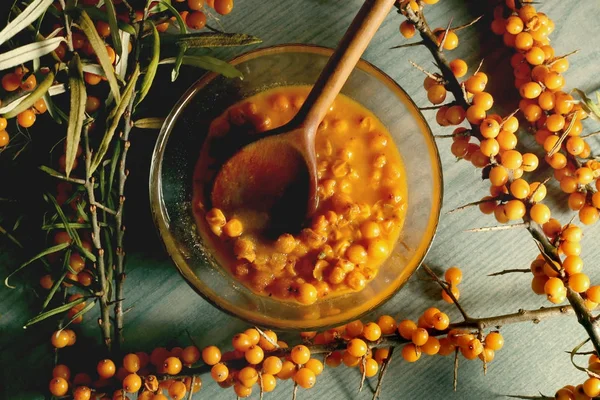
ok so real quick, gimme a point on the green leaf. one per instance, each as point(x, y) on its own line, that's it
point(178, 62)
point(210, 64)
point(182, 46)
point(116, 115)
point(97, 14)
point(41, 254)
point(30, 51)
point(159, 7)
point(88, 28)
point(76, 112)
point(34, 96)
point(72, 225)
point(215, 39)
point(79, 313)
point(24, 19)
point(52, 109)
point(85, 252)
point(588, 105)
point(58, 175)
point(113, 167)
point(53, 289)
point(152, 66)
point(149, 123)
point(59, 211)
point(114, 26)
point(54, 311)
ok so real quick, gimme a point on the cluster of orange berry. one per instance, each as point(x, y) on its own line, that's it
point(195, 14)
point(78, 271)
point(134, 374)
point(588, 390)
point(17, 82)
point(554, 113)
point(452, 276)
point(551, 278)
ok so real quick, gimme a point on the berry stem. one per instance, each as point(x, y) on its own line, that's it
point(510, 271)
point(446, 288)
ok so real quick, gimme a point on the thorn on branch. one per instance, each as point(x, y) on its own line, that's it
point(402, 46)
point(443, 41)
point(436, 77)
point(468, 24)
point(510, 271)
point(499, 228)
point(475, 203)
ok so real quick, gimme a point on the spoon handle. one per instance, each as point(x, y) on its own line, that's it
point(342, 62)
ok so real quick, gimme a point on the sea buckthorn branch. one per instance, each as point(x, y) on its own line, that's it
point(412, 10)
point(104, 320)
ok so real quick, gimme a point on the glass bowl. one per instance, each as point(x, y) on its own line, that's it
point(178, 147)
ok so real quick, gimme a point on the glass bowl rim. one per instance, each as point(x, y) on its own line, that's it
point(161, 222)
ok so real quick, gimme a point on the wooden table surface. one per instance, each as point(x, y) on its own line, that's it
point(165, 308)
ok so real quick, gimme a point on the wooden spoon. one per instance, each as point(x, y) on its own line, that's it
point(278, 173)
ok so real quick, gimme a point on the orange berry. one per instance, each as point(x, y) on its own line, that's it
point(523, 41)
point(436, 94)
point(241, 342)
point(535, 56)
point(407, 29)
point(223, 7)
point(106, 369)
point(475, 114)
point(530, 90)
point(177, 390)
point(211, 355)
point(132, 383)
point(483, 100)
point(190, 355)
point(314, 365)
point(540, 213)
point(196, 20)
point(431, 347)
point(58, 387)
point(420, 336)
point(387, 324)
point(591, 387)
point(475, 84)
point(29, 84)
point(60, 339)
point(254, 355)
point(494, 341)
point(265, 344)
point(472, 350)
point(371, 331)
point(588, 215)
point(579, 282)
point(219, 372)
point(514, 25)
point(305, 378)
point(511, 159)
point(459, 67)
point(300, 354)
point(411, 353)
point(406, 329)
point(172, 365)
point(26, 118)
point(370, 367)
point(455, 115)
point(131, 363)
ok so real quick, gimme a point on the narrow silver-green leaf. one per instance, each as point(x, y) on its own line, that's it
point(113, 168)
point(76, 112)
point(54, 311)
point(53, 289)
point(61, 214)
point(24, 19)
point(114, 26)
point(149, 123)
point(210, 64)
point(85, 252)
point(182, 46)
point(97, 14)
point(30, 51)
point(79, 313)
point(152, 66)
point(114, 119)
point(60, 225)
point(159, 7)
point(87, 26)
point(32, 97)
point(41, 254)
point(215, 39)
